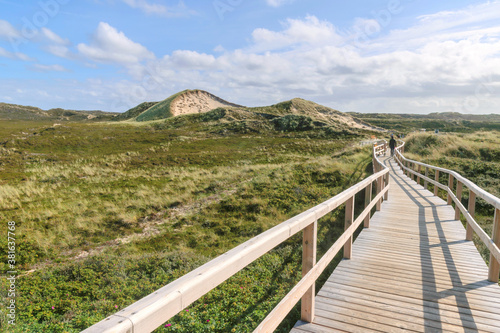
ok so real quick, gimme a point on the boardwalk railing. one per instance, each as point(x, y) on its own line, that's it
point(151, 311)
point(422, 171)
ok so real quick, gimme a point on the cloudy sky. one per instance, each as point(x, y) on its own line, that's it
point(412, 56)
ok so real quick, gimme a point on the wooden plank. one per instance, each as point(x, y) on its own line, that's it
point(407, 321)
point(482, 287)
point(349, 219)
point(309, 241)
point(426, 183)
point(379, 189)
point(402, 301)
point(494, 270)
point(416, 283)
point(472, 212)
point(385, 306)
point(427, 292)
point(368, 199)
point(324, 318)
point(459, 197)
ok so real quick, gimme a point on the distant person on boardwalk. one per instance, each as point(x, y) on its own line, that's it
point(392, 144)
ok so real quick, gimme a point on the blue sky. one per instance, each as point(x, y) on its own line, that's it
point(388, 56)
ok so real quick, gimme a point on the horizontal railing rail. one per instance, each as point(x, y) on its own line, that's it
point(414, 169)
point(151, 311)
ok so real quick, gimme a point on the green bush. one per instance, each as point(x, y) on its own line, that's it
point(292, 122)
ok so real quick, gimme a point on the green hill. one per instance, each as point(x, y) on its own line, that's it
point(21, 112)
point(135, 111)
point(160, 110)
point(443, 121)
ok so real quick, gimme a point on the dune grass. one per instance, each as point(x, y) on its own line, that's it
point(108, 212)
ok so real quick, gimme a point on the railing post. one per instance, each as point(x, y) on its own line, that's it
point(426, 183)
point(459, 197)
point(386, 195)
point(309, 241)
point(436, 178)
point(472, 212)
point(379, 189)
point(349, 219)
point(373, 159)
point(368, 199)
point(450, 185)
point(419, 169)
point(494, 271)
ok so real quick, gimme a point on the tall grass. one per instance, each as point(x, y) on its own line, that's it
point(106, 213)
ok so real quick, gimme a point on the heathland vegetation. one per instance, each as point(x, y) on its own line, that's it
point(106, 212)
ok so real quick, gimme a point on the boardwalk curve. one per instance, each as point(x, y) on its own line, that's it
point(412, 270)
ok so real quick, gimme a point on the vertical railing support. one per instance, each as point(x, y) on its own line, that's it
point(426, 183)
point(374, 161)
point(472, 212)
point(349, 219)
point(309, 241)
point(436, 178)
point(419, 169)
point(451, 181)
point(386, 195)
point(379, 189)
point(459, 197)
point(368, 199)
point(494, 272)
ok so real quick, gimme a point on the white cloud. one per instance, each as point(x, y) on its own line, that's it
point(435, 65)
point(5, 53)
point(191, 60)
point(7, 31)
point(278, 3)
point(310, 31)
point(48, 68)
point(53, 37)
point(111, 46)
point(14, 55)
point(59, 51)
point(441, 67)
point(180, 10)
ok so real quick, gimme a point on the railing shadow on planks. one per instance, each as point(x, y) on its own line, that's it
point(151, 311)
point(413, 169)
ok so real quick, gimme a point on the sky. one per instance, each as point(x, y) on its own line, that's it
point(389, 56)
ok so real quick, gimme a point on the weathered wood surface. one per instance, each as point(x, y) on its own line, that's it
point(412, 270)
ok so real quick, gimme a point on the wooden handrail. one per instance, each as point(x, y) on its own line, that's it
point(151, 311)
point(493, 242)
point(488, 197)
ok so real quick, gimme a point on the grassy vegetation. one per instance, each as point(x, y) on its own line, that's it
point(160, 110)
point(135, 111)
point(444, 122)
point(475, 156)
point(106, 213)
point(30, 113)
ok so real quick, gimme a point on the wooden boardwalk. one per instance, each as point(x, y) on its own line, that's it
point(412, 270)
